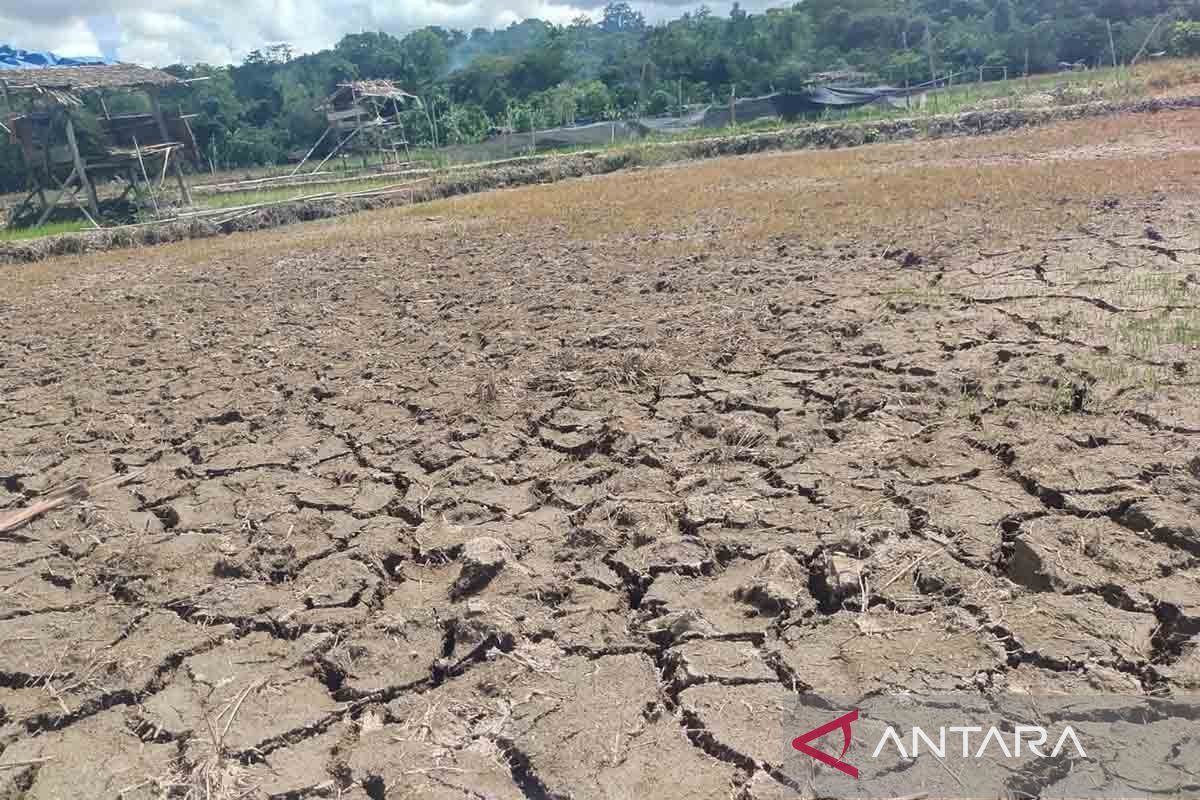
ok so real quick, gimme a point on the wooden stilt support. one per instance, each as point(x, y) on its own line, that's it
point(90, 218)
point(145, 176)
point(334, 150)
point(58, 200)
point(312, 150)
point(81, 168)
point(156, 108)
point(162, 179)
point(20, 209)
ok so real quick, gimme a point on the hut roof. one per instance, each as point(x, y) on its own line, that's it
point(375, 88)
point(85, 78)
point(383, 89)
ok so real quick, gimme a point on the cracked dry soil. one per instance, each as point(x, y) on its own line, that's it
point(443, 508)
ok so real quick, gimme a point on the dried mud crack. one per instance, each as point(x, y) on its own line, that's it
point(523, 509)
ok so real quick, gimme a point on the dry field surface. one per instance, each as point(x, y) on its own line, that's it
point(568, 491)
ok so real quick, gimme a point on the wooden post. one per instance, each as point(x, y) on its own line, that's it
point(929, 49)
point(433, 126)
point(732, 105)
point(130, 176)
point(15, 213)
point(932, 74)
point(49, 207)
point(312, 150)
point(163, 177)
point(1111, 44)
point(145, 176)
point(341, 142)
point(1149, 36)
point(63, 195)
point(46, 171)
point(41, 191)
point(81, 168)
point(166, 137)
point(90, 218)
point(191, 142)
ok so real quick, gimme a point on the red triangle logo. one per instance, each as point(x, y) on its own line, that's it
point(801, 743)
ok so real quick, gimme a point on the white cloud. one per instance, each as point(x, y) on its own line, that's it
point(34, 33)
point(224, 31)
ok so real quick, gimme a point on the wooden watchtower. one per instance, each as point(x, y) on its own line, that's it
point(365, 107)
point(41, 105)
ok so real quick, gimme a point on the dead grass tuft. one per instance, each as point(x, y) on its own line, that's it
point(635, 367)
point(210, 771)
point(486, 390)
point(741, 440)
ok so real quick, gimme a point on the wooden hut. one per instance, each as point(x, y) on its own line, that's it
point(364, 116)
point(42, 106)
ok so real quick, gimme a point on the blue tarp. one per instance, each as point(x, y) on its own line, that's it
point(15, 58)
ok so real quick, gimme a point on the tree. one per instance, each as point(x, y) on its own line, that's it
point(559, 104)
point(424, 57)
point(620, 17)
point(477, 81)
point(1083, 39)
point(250, 146)
point(464, 124)
point(594, 100)
point(1002, 17)
point(374, 55)
point(542, 67)
point(1184, 38)
point(659, 102)
point(535, 73)
point(279, 53)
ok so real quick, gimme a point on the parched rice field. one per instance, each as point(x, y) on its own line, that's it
point(578, 490)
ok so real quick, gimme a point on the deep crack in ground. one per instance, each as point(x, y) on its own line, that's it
point(538, 515)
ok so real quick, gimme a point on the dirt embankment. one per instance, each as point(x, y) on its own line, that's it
point(548, 169)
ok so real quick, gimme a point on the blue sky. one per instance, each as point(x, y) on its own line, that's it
point(223, 31)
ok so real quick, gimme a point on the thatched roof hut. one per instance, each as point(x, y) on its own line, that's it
point(49, 140)
point(350, 93)
point(89, 78)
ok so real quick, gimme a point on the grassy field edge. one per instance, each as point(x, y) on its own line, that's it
point(552, 168)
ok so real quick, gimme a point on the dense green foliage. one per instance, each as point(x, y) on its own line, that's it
point(538, 74)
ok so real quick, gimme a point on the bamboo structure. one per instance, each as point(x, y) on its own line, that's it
point(364, 107)
point(47, 128)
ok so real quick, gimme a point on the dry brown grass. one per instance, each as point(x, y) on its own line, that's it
point(989, 189)
point(1169, 76)
point(928, 189)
